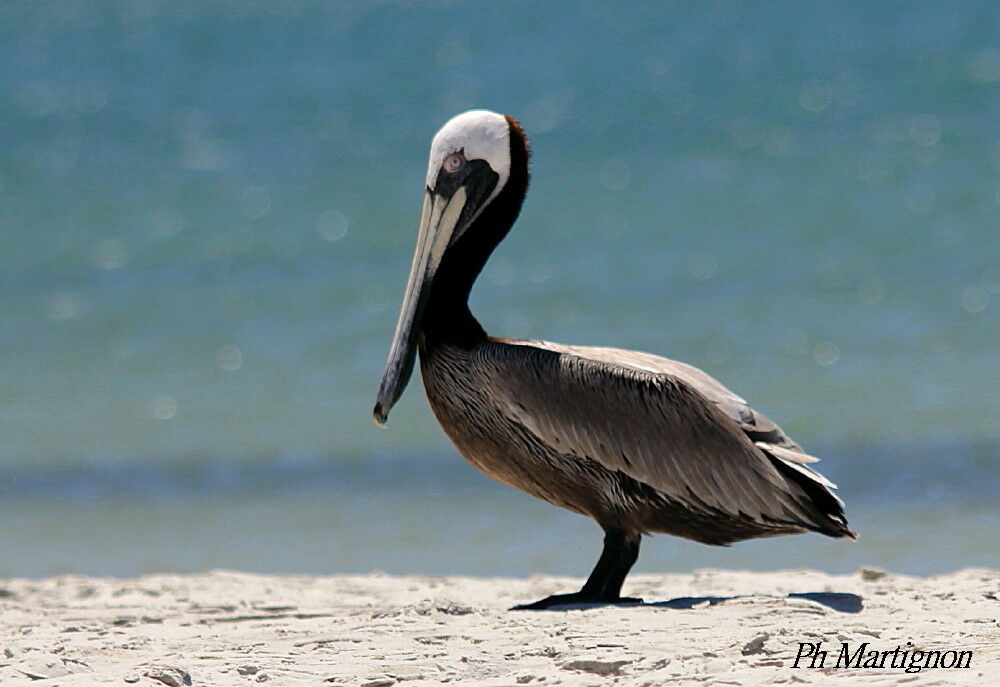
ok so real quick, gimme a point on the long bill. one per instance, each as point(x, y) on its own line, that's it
point(438, 223)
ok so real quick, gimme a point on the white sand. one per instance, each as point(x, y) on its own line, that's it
point(228, 628)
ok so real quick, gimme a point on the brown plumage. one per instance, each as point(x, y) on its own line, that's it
point(637, 442)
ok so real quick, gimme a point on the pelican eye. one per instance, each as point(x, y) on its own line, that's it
point(453, 163)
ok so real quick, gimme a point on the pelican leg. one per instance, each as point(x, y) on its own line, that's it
point(627, 558)
point(605, 582)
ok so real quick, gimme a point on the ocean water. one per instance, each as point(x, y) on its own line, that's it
point(207, 213)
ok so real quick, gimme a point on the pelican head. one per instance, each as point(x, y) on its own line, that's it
point(469, 167)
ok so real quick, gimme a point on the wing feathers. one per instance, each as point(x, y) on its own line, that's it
point(785, 454)
point(663, 423)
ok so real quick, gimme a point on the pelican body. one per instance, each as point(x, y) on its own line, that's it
point(637, 442)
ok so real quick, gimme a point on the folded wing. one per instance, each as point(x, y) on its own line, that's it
point(668, 425)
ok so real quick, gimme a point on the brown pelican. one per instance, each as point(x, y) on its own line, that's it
point(638, 442)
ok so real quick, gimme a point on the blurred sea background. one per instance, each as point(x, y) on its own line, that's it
point(207, 212)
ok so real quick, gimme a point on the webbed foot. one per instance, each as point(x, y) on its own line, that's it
point(576, 598)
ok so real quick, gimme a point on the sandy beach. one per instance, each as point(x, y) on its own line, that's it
point(709, 627)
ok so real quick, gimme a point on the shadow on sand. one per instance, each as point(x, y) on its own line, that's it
point(838, 601)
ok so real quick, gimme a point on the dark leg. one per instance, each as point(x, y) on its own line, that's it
point(605, 583)
point(628, 557)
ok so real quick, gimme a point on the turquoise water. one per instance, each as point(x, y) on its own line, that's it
point(207, 213)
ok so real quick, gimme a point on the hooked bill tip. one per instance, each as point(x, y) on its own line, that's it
point(379, 416)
